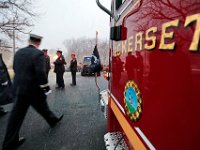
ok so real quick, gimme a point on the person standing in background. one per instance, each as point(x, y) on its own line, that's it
point(47, 61)
point(59, 70)
point(73, 69)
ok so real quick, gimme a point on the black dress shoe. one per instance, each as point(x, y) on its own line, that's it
point(62, 87)
point(55, 122)
point(3, 112)
point(20, 141)
point(15, 145)
point(58, 87)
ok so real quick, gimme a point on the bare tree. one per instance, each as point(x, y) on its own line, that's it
point(16, 15)
point(104, 51)
point(84, 47)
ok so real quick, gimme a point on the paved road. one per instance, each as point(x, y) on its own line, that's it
point(82, 127)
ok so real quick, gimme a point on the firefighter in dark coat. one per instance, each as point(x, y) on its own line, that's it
point(30, 88)
point(73, 69)
point(47, 61)
point(59, 70)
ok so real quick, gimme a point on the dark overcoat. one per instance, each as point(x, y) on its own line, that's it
point(73, 65)
point(47, 62)
point(59, 65)
point(29, 67)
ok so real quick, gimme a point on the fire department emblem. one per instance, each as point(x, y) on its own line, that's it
point(133, 101)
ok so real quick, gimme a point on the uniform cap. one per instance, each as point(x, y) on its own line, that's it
point(44, 50)
point(59, 51)
point(35, 38)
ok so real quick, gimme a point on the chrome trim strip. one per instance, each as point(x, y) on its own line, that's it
point(118, 104)
point(151, 147)
point(125, 7)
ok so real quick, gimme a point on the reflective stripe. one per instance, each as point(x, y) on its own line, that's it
point(133, 138)
point(118, 104)
point(151, 147)
point(44, 85)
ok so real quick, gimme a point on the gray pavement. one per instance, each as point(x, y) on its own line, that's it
point(82, 127)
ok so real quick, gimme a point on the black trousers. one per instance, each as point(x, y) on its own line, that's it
point(47, 74)
point(59, 79)
point(73, 73)
point(22, 103)
point(1, 109)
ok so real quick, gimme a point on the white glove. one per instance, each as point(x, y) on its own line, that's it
point(47, 93)
point(5, 83)
point(46, 90)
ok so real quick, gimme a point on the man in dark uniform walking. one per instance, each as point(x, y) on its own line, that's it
point(73, 68)
point(60, 69)
point(47, 61)
point(30, 88)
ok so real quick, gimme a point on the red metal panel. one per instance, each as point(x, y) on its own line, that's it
point(168, 79)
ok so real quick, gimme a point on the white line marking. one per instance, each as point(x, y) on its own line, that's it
point(118, 104)
point(151, 147)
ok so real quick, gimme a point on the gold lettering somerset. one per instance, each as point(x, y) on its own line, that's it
point(138, 41)
point(130, 44)
point(124, 45)
point(195, 40)
point(118, 47)
point(148, 41)
point(150, 38)
point(168, 35)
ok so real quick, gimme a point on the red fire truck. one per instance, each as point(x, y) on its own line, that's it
point(153, 96)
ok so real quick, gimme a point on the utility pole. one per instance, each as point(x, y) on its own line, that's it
point(3, 6)
point(13, 36)
point(96, 37)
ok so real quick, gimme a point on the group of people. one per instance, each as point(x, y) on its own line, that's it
point(30, 87)
point(59, 68)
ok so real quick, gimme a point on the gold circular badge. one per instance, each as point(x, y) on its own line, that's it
point(133, 101)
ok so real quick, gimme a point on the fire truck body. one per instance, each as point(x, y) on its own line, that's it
point(154, 86)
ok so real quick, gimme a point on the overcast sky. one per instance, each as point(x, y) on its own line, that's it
point(65, 19)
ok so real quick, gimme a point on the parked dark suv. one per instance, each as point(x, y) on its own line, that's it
point(86, 64)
